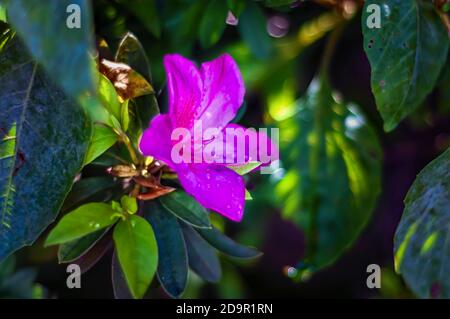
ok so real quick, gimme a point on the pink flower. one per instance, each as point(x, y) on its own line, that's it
point(212, 96)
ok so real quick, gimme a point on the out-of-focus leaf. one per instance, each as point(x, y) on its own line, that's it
point(82, 221)
point(226, 245)
point(102, 139)
point(213, 23)
point(137, 252)
point(74, 249)
point(119, 283)
point(186, 208)
point(248, 196)
point(444, 92)
point(332, 159)
point(277, 3)
point(43, 140)
point(173, 262)
point(91, 189)
point(18, 285)
point(143, 108)
point(64, 52)
point(236, 6)
point(7, 267)
point(146, 11)
point(128, 83)
point(422, 252)
point(252, 27)
point(2, 13)
point(202, 257)
point(406, 55)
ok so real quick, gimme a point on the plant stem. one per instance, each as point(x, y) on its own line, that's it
point(126, 140)
point(329, 51)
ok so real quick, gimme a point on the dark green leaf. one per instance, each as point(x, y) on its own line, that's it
point(91, 189)
point(74, 249)
point(146, 11)
point(226, 245)
point(173, 263)
point(236, 6)
point(202, 257)
point(43, 140)
point(82, 221)
point(187, 208)
point(64, 52)
point(422, 252)
point(333, 161)
point(213, 23)
point(119, 283)
point(252, 27)
point(406, 55)
point(137, 252)
point(278, 3)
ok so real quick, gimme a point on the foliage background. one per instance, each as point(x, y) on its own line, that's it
point(180, 26)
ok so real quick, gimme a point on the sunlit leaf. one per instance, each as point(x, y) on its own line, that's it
point(333, 160)
point(102, 139)
point(82, 221)
point(137, 253)
point(422, 253)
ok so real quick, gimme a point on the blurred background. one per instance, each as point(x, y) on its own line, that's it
point(279, 46)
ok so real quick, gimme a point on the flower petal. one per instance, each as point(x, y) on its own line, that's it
point(215, 187)
point(156, 140)
point(185, 85)
point(223, 90)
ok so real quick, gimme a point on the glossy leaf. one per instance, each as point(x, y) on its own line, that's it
point(42, 26)
point(213, 23)
point(108, 96)
point(186, 208)
point(102, 139)
point(74, 249)
point(82, 221)
point(173, 263)
point(226, 245)
point(137, 252)
point(406, 55)
point(332, 159)
point(202, 257)
point(252, 27)
point(422, 252)
point(43, 140)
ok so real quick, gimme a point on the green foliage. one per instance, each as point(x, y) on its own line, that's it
point(137, 253)
point(72, 250)
point(421, 240)
point(18, 284)
point(332, 161)
point(212, 24)
point(44, 137)
point(412, 42)
point(186, 208)
point(102, 139)
point(82, 221)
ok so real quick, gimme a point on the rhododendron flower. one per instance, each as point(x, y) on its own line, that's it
point(210, 96)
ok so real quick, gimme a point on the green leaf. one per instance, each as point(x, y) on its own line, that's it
point(245, 168)
point(332, 159)
point(248, 196)
point(72, 250)
point(125, 116)
point(137, 252)
point(2, 13)
point(102, 139)
point(226, 245)
point(129, 204)
point(43, 140)
point(252, 27)
point(236, 6)
point(411, 43)
point(119, 283)
point(202, 257)
point(92, 189)
point(173, 263)
point(108, 96)
point(278, 3)
point(64, 52)
point(82, 221)
point(212, 23)
point(422, 252)
point(186, 208)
